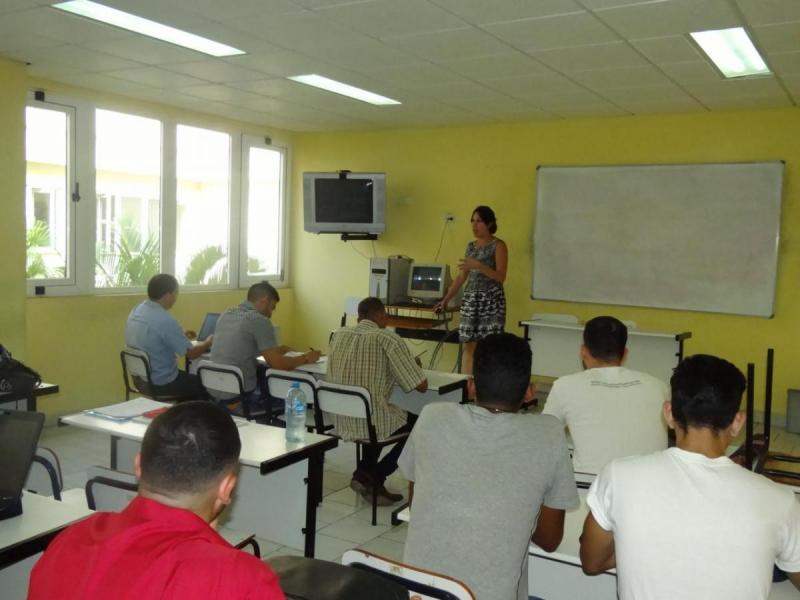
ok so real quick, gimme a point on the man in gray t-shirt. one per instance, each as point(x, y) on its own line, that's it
point(245, 332)
point(486, 480)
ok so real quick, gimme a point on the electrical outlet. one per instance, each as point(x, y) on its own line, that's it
point(449, 218)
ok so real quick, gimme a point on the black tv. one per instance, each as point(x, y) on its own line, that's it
point(344, 202)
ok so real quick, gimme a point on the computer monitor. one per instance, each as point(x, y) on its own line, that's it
point(19, 435)
point(428, 281)
point(209, 325)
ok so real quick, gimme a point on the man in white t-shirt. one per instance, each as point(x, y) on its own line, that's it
point(610, 411)
point(688, 522)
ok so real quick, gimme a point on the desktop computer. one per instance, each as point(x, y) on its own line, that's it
point(388, 278)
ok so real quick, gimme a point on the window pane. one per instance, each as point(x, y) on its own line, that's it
point(46, 185)
point(128, 182)
point(203, 197)
point(265, 173)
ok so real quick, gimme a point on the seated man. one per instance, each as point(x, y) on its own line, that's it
point(151, 329)
point(245, 332)
point(163, 544)
point(372, 357)
point(610, 411)
point(486, 479)
point(688, 522)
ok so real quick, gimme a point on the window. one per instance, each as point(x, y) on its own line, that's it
point(48, 176)
point(128, 192)
point(158, 196)
point(203, 198)
point(264, 167)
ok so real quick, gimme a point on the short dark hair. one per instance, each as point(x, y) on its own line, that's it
point(189, 447)
point(370, 307)
point(706, 392)
point(160, 285)
point(605, 338)
point(502, 369)
point(487, 216)
point(261, 289)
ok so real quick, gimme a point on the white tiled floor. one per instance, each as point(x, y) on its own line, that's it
point(343, 518)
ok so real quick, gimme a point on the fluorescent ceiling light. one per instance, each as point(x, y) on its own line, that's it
point(342, 88)
point(732, 51)
point(118, 18)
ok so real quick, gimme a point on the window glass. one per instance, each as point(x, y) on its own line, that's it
point(264, 210)
point(203, 205)
point(46, 193)
point(128, 192)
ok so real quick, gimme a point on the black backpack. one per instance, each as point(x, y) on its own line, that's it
point(15, 377)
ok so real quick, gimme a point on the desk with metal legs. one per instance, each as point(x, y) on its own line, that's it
point(279, 482)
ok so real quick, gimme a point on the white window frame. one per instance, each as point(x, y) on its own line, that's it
point(67, 283)
point(278, 279)
point(82, 214)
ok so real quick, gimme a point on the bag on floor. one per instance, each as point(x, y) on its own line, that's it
point(15, 377)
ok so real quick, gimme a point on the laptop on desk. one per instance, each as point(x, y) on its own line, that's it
point(209, 325)
point(19, 436)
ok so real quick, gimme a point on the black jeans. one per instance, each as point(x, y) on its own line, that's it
point(184, 386)
point(388, 464)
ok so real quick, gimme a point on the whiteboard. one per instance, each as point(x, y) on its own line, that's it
point(700, 237)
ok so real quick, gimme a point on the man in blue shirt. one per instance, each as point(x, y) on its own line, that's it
point(153, 330)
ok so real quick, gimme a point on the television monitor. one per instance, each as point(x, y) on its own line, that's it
point(19, 435)
point(344, 202)
point(209, 325)
point(428, 281)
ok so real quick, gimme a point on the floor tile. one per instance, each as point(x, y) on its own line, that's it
point(330, 511)
point(353, 530)
point(398, 533)
point(385, 548)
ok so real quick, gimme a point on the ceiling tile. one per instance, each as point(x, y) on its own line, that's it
point(778, 38)
point(481, 12)
point(583, 58)
point(676, 17)
point(620, 78)
point(100, 81)
point(555, 102)
point(536, 85)
point(657, 94)
point(320, 4)
point(156, 77)
point(600, 4)
point(8, 6)
point(450, 45)
point(389, 18)
point(85, 59)
point(215, 71)
point(670, 49)
point(578, 29)
point(147, 50)
point(498, 66)
point(26, 42)
point(416, 75)
point(785, 63)
point(698, 71)
point(467, 90)
point(749, 87)
point(371, 54)
point(648, 107)
point(601, 109)
point(58, 25)
point(747, 102)
point(173, 13)
point(764, 12)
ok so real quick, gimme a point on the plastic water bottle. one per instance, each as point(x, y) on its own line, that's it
point(295, 414)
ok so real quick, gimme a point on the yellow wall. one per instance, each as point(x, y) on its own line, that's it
point(432, 171)
point(12, 207)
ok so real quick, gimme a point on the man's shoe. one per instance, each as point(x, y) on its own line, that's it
point(361, 483)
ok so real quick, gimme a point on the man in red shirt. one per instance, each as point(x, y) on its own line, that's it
point(162, 545)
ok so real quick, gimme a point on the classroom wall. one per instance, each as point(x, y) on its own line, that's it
point(12, 190)
point(434, 171)
point(75, 341)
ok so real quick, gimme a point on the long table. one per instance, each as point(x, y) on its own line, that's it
point(269, 499)
point(44, 389)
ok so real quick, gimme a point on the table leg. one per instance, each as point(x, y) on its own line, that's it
point(313, 494)
point(113, 460)
point(31, 402)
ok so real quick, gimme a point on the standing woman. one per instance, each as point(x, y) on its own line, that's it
point(483, 307)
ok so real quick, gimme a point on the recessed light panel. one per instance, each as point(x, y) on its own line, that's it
point(119, 18)
point(732, 51)
point(344, 89)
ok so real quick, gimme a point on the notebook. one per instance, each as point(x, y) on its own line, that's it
point(209, 325)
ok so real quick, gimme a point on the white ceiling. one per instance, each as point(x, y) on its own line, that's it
point(447, 61)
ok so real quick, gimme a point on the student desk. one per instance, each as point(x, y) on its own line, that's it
point(44, 389)
point(558, 575)
point(279, 482)
point(23, 538)
point(556, 347)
